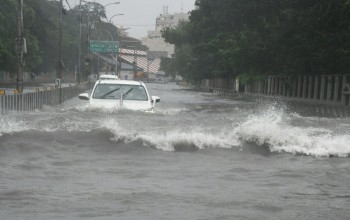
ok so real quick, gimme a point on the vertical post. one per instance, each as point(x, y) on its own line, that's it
point(272, 85)
point(299, 87)
point(295, 87)
point(316, 87)
point(290, 87)
point(309, 93)
point(60, 61)
point(1, 104)
point(276, 86)
point(278, 81)
point(98, 58)
point(280, 86)
point(79, 58)
point(304, 94)
point(284, 87)
point(135, 65)
point(119, 57)
point(20, 48)
point(88, 46)
point(336, 88)
point(323, 86)
point(329, 88)
point(344, 96)
point(116, 64)
point(265, 86)
point(59, 72)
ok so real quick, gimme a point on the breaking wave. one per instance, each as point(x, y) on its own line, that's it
point(180, 140)
point(9, 125)
point(272, 128)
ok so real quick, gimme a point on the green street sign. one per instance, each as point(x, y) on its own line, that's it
point(104, 46)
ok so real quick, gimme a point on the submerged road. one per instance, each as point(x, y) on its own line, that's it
point(198, 157)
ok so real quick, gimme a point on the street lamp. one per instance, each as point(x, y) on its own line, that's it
point(113, 3)
point(110, 20)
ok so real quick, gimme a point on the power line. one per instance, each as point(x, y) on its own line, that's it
point(68, 5)
point(140, 25)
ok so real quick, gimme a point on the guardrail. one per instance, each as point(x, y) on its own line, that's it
point(36, 100)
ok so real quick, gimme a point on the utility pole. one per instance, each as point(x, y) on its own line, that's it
point(98, 59)
point(60, 61)
point(134, 63)
point(79, 58)
point(88, 45)
point(21, 48)
point(119, 55)
point(116, 64)
point(119, 60)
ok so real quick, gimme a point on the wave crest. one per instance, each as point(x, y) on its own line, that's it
point(274, 128)
point(9, 125)
point(179, 140)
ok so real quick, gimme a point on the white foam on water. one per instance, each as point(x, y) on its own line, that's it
point(10, 125)
point(120, 132)
point(168, 141)
point(91, 108)
point(167, 138)
point(273, 127)
point(170, 111)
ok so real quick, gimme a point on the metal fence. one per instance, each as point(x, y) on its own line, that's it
point(36, 100)
point(328, 89)
point(326, 95)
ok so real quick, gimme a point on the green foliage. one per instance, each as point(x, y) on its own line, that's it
point(7, 35)
point(167, 65)
point(92, 11)
point(253, 38)
point(249, 78)
point(41, 30)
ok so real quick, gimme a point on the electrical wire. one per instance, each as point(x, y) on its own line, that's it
point(68, 5)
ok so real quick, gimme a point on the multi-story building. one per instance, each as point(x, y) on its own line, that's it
point(166, 20)
point(154, 40)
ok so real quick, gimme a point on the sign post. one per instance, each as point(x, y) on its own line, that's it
point(106, 47)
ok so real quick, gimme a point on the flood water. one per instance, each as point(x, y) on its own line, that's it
point(198, 157)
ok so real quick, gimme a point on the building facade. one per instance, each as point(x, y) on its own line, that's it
point(154, 40)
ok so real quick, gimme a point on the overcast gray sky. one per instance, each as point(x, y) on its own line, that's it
point(140, 15)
